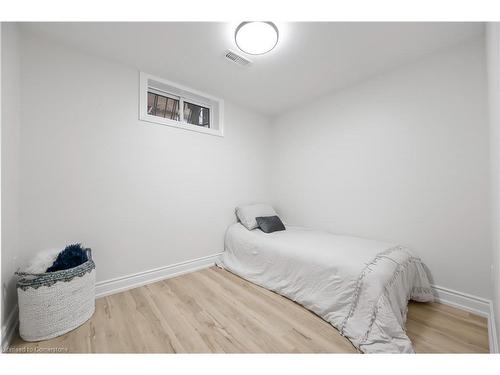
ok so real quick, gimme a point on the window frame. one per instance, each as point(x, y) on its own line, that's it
point(199, 104)
point(164, 94)
point(144, 87)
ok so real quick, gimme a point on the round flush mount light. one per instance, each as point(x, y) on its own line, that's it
point(256, 38)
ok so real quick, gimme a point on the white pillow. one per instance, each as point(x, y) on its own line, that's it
point(247, 214)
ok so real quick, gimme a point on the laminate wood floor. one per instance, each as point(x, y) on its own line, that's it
point(214, 311)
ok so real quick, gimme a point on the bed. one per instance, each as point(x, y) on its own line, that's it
point(359, 286)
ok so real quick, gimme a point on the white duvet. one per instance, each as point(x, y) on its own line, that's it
point(360, 286)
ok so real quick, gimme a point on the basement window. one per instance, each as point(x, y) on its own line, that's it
point(167, 103)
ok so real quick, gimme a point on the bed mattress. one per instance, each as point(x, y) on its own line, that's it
point(360, 286)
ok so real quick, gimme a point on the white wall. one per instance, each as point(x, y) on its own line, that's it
point(493, 48)
point(10, 167)
point(141, 195)
point(400, 157)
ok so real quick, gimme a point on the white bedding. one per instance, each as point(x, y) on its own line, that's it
point(360, 286)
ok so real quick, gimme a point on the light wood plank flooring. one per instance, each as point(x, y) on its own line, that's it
point(214, 311)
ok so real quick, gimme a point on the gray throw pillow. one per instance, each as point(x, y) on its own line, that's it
point(269, 224)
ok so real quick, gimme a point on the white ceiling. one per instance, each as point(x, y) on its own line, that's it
point(310, 60)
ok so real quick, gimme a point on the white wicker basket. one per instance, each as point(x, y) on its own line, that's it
point(53, 303)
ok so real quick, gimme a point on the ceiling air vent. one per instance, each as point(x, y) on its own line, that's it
point(237, 59)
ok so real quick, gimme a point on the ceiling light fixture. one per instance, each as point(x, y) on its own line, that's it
point(256, 38)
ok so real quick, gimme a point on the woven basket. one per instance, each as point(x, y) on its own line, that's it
point(53, 303)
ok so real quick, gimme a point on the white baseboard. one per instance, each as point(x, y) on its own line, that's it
point(476, 305)
point(120, 284)
point(464, 301)
point(9, 328)
point(492, 331)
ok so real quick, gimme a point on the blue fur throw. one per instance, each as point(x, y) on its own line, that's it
point(71, 256)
